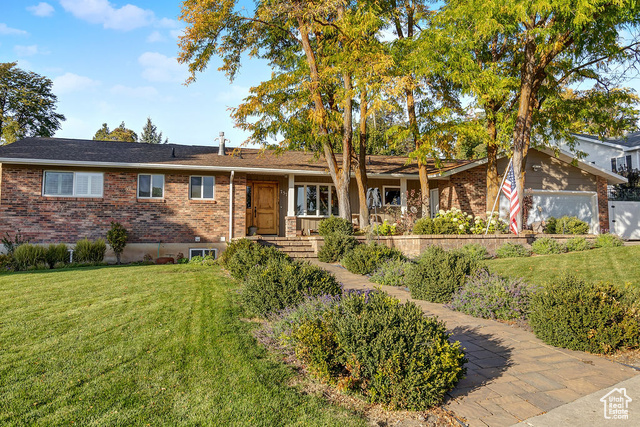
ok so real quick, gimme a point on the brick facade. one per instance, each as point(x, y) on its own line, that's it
point(603, 204)
point(173, 219)
point(466, 191)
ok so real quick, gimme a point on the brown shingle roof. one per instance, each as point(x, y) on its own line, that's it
point(89, 151)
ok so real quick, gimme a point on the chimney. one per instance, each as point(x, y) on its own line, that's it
point(222, 141)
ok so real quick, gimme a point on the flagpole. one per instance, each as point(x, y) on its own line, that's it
point(498, 196)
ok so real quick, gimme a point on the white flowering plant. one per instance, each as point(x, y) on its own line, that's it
point(496, 225)
point(454, 221)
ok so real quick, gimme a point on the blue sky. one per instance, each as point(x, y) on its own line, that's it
point(113, 61)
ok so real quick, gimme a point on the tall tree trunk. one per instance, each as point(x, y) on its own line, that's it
point(361, 170)
point(341, 176)
point(493, 181)
point(422, 167)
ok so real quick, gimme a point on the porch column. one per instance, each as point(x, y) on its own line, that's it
point(290, 220)
point(403, 195)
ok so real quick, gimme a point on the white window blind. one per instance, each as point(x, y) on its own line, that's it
point(80, 184)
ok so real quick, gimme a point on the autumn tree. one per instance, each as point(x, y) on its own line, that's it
point(150, 134)
point(314, 50)
point(27, 104)
point(518, 60)
point(121, 133)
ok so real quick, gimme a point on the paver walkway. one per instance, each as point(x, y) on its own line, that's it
point(511, 375)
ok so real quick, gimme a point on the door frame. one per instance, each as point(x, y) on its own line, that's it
point(249, 212)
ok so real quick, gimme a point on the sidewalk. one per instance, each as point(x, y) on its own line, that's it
point(511, 376)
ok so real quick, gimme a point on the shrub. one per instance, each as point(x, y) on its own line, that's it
point(423, 226)
point(7, 263)
point(117, 237)
point(512, 250)
point(443, 225)
point(196, 259)
point(364, 259)
point(493, 297)
point(594, 317)
point(475, 251)
point(496, 225)
point(57, 254)
point(282, 283)
point(27, 255)
point(335, 225)
point(87, 251)
point(244, 254)
point(571, 225)
point(10, 244)
point(546, 246)
point(607, 241)
point(550, 225)
point(335, 247)
point(394, 353)
point(576, 244)
point(438, 274)
point(385, 229)
point(391, 273)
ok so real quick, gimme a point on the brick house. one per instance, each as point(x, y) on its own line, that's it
point(193, 199)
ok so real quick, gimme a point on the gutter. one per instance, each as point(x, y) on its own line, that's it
point(231, 205)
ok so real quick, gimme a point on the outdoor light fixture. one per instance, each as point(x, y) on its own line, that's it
point(536, 168)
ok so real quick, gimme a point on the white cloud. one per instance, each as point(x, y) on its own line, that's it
point(125, 18)
point(235, 93)
point(42, 9)
point(69, 82)
point(168, 23)
point(8, 31)
point(161, 68)
point(176, 33)
point(155, 37)
point(135, 92)
point(26, 50)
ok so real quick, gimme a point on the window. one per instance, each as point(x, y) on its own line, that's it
point(203, 252)
point(73, 184)
point(150, 186)
point(201, 187)
point(391, 196)
point(316, 200)
point(619, 164)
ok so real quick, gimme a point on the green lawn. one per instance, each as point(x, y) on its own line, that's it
point(616, 265)
point(145, 345)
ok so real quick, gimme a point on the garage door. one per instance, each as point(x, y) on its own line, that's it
point(582, 204)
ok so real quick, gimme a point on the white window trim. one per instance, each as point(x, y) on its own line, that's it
point(164, 182)
point(202, 187)
point(384, 190)
point(318, 185)
point(214, 250)
point(91, 196)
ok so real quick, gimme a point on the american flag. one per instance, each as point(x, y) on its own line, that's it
point(510, 190)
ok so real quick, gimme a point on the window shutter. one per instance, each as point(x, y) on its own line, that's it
point(613, 165)
point(629, 163)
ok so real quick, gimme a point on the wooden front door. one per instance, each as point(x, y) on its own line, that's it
point(262, 206)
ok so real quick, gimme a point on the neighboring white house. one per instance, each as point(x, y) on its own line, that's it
point(611, 154)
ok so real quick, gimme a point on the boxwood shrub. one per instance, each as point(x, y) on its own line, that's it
point(243, 254)
point(281, 283)
point(492, 296)
point(438, 274)
point(371, 343)
point(595, 317)
point(335, 247)
point(364, 259)
point(547, 246)
point(335, 225)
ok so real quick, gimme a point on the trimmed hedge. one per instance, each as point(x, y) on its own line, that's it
point(594, 317)
point(438, 274)
point(282, 283)
point(369, 342)
point(335, 247)
point(364, 259)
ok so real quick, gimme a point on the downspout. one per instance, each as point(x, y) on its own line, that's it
point(231, 205)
